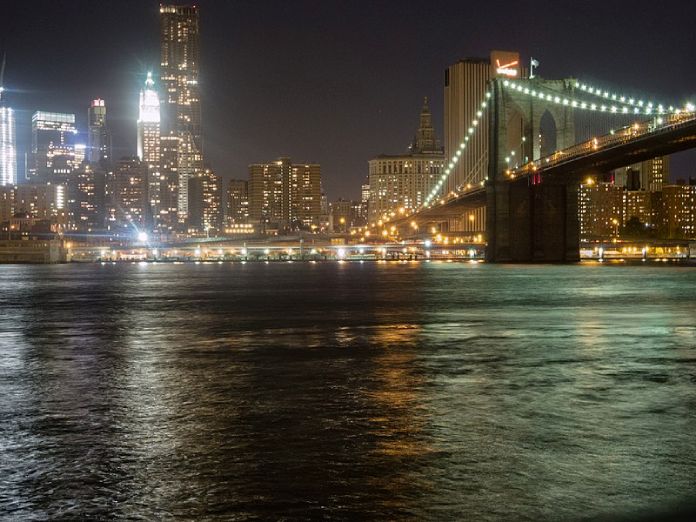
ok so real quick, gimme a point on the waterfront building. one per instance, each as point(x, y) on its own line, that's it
point(7, 195)
point(148, 143)
point(52, 145)
point(98, 135)
point(285, 196)
point(638, 204)
point(43, 201)
point(8, 138)
point(129, 208)
point(237, 202)
point(403, 181)
point(180, 99)
point(600, 210)
point(346, 214)
point(676, 212)
point(205, 202)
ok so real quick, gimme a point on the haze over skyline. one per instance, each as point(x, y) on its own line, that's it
point(328, 82)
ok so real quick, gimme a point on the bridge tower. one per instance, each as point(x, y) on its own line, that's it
point(530, 220)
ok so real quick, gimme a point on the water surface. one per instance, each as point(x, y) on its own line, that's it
point(378, 391)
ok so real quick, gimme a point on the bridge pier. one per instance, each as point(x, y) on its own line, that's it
point(533, 223)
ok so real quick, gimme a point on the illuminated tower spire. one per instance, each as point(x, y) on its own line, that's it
point(149, 141)
point(8, 144)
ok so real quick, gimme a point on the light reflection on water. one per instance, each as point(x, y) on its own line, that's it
point(353, 390)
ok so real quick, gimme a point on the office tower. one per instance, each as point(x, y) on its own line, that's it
point(169, 186)
point(466, 83)
point(149, 143)
point(205, 202)
point(52, 144)
point(180, 97)
point(86, 198)
point(405, 180)
point(8, 138)
point(284, 196)
point(98, 135)
point(237, 201)
point(130, 205)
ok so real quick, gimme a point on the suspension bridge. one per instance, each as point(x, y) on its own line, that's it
point(530, 195)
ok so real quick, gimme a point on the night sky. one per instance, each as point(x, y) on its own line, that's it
point(334, 82)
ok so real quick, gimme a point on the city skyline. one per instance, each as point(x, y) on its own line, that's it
point(369, 114)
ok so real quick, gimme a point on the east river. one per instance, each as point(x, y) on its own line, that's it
point(346, 391)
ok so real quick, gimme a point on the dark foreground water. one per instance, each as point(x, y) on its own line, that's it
point(375, 391)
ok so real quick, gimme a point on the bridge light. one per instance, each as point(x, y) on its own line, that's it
point(557, 99)
point(622, 99)
point(488, 94)
point(466, 138)
point(533, 93)
point(475, 123)
point(565, 101)
point(479, 114)
point(624, 110)
point(471, 130)
point(613, 97)
point(631, 101)
point(690, 107)
point(506, 83)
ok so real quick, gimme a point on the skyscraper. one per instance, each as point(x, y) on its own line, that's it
point(283, 195)
point(129, 207)
point(52, 144)
point(180, 100)
point(205, 202)
point(8, 143)
point(466, 83)
point(465, 88)
point(98, 136)
point(405, 180)
point(149, 143)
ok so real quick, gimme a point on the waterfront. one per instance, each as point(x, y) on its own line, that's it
point(416, 390)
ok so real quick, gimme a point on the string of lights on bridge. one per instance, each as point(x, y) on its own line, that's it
point(624, 106)
point(616, 104)
point(462, 147)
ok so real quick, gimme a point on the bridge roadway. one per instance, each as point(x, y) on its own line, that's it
point(624, 147)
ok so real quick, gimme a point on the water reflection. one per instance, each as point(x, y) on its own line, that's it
point(371, 391)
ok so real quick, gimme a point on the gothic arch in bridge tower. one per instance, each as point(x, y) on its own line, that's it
point(548, 134)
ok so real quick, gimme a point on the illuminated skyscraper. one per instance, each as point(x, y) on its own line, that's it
point(205, 202)
point(130, 207)
point(180, 100)
point(52, 144)
point(149, 142)
point(8, 137)
point(283, 195)
point(405, 180)
point(98, 136)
